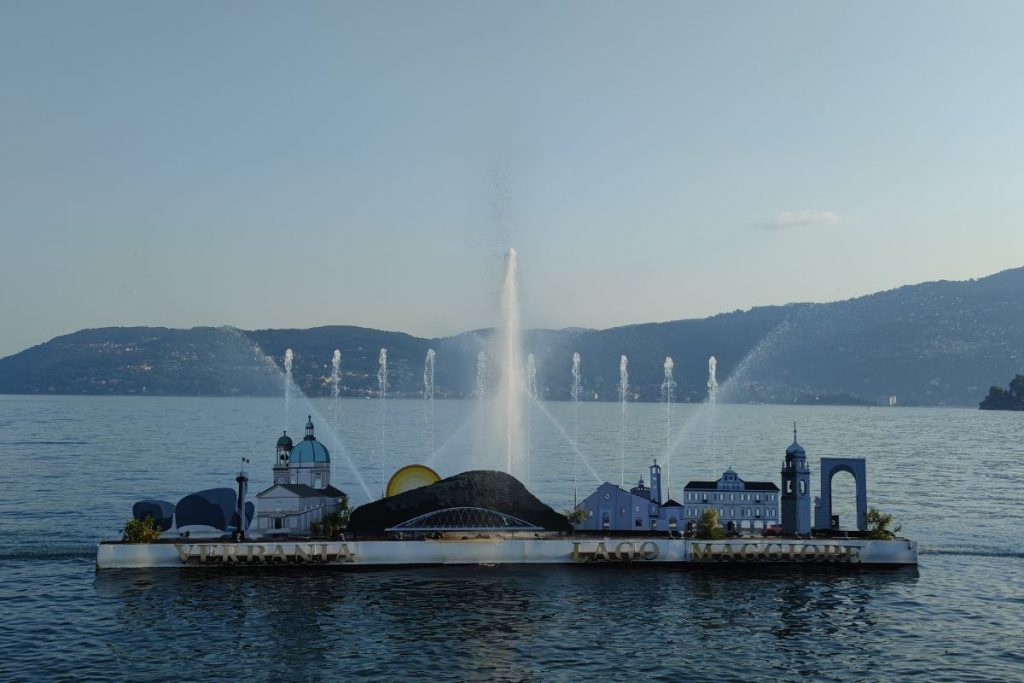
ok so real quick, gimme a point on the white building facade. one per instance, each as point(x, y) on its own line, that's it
point(302, 493)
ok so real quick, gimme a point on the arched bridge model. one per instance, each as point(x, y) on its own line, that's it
point(464, 519)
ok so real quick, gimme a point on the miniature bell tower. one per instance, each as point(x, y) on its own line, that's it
point(282, 470)
point(656, 483)
point(796, 491)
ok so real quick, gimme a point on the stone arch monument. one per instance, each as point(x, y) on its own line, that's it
point(823, 506)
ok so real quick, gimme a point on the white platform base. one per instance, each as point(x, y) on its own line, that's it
point(562, 550)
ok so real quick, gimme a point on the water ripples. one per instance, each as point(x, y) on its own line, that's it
point(957, 617)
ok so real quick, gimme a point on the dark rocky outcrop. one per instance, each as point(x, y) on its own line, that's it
point(1006, 399)
point(478, 488)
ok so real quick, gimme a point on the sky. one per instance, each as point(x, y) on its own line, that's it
point(301, 164)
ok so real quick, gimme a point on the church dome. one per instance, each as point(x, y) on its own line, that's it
point(795, 448)
point(285, 441)
point(310, 451)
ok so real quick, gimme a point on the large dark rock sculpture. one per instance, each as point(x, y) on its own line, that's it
point(479, 488)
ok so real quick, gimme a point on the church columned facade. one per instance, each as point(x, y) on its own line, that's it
point(302, 492)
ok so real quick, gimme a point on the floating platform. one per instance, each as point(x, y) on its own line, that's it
point(510, 550)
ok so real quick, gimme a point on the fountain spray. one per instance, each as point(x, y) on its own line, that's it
point(668, 385)
point(481, 375)
point(712, 400)
point(382, 391)
point(531, 396)
point(623, 397)
point(510, 390)
point(428, 396)
point(288, 358)
point(576, 386)
point(335, 386)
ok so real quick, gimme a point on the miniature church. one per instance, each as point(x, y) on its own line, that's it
point(611, 508)
point(302, 491)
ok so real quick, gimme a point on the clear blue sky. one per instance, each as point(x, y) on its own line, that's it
point(300, 164)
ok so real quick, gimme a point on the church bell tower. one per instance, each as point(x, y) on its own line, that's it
point(796, 491)
point(656, 483)
point(282, 473)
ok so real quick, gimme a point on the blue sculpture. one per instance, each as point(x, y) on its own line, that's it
point(213, 507)
point(161, 511)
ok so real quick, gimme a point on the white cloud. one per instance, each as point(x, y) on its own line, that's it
point(796, 219)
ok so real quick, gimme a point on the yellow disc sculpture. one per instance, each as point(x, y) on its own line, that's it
point(411, 477)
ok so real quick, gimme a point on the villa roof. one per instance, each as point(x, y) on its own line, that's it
point(671, 504)
point(747, 485)
point(307, 491)
point(762, 486)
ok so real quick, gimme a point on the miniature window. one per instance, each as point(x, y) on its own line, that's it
point(803, 486)
point(639, 523)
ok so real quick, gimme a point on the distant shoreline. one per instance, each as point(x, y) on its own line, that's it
point(469, 400)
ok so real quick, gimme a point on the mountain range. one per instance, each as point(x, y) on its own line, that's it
point(937, 343)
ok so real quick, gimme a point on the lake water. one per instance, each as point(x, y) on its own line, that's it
point(71, 467)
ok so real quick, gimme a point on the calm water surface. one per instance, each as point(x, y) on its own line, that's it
point(70, 468)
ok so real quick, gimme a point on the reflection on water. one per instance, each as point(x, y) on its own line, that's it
point(507, 623)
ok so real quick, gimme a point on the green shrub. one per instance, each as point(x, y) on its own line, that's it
point(708, 527)
point(878, 524)
point(576, 515)
point(140, 530)
point(333, 524)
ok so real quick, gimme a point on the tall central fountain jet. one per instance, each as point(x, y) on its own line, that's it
point(508, 402)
